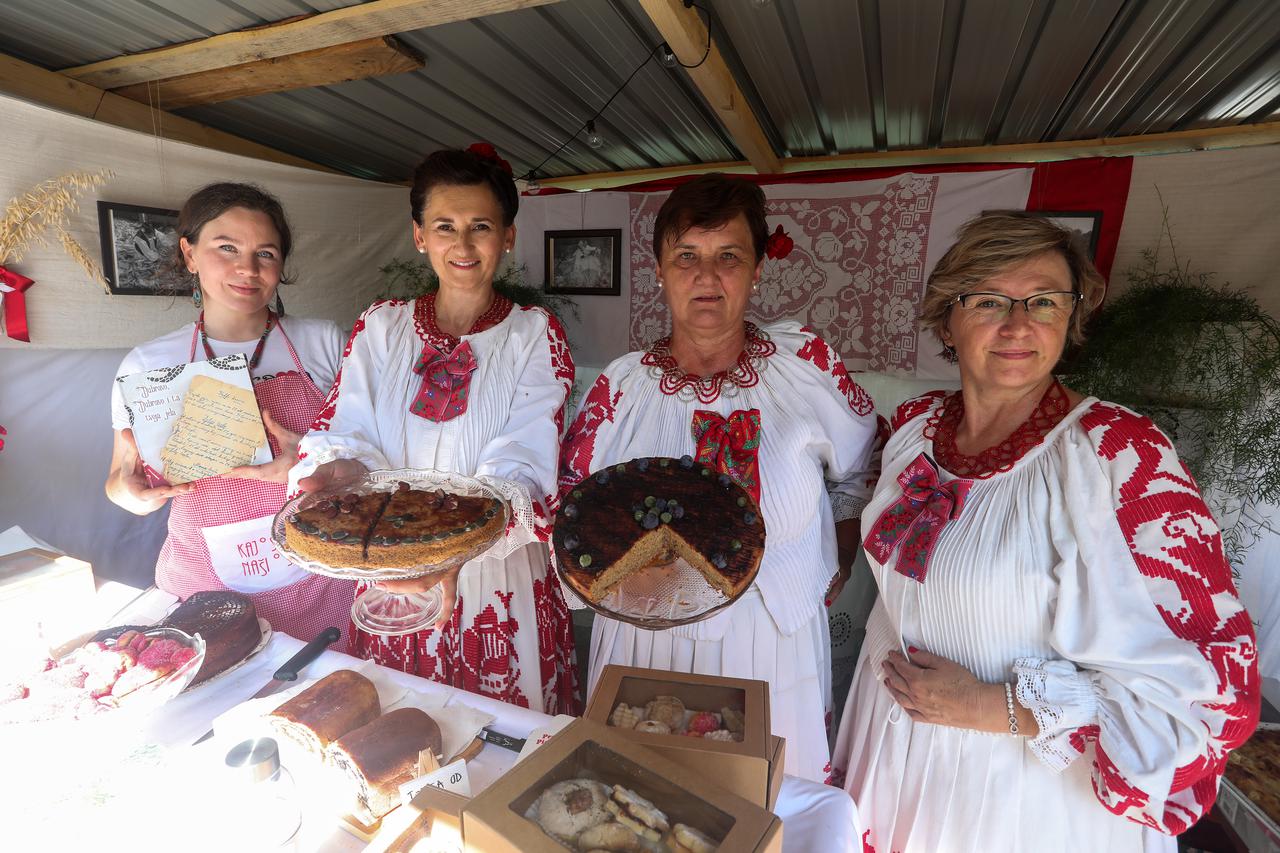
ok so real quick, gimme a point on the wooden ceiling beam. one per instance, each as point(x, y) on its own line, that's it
point(51, 89)
point(1175, 142)
point(357, 60)
point(686, 35)
point(352, 23)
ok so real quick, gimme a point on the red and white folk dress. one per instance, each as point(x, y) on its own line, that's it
point(219, 531)
point(1082, 566)
point(490, 404)
point(789, 423)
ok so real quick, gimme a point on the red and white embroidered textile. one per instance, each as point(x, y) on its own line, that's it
point(1090, 574)
point(510, 624)
point(302, 608)
point(815, 454)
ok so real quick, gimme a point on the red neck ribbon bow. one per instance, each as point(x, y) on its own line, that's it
point(14, 311)
point(913, 522)
point(730, 445)
point(446, 382)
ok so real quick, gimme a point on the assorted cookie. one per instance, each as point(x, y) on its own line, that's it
point(587, 815)
point(665, 715)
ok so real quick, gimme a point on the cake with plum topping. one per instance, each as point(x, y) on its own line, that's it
point(633, 515)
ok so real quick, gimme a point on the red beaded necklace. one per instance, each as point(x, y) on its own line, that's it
point(257, 351)
point(945, 421)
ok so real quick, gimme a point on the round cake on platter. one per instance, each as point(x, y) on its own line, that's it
point(628, 517)
point(403, 528)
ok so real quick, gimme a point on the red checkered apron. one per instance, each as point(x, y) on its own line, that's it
point(302, 608)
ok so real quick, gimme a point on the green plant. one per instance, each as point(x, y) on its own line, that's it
point(1203, 362)
point(410, 279)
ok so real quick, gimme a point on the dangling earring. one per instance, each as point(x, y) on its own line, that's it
point(196, 297)
point(949, 353)
point(279, 305)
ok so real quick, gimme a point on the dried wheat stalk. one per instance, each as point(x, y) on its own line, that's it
point(47, 207)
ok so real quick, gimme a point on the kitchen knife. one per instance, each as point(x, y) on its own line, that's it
point(288, 671)
point(488, 735)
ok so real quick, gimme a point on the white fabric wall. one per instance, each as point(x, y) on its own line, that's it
point(344, 228)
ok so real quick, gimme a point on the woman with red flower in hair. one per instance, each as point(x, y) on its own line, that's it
point(463, 381)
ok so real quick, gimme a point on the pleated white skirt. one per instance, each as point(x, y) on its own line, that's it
point(797, 668)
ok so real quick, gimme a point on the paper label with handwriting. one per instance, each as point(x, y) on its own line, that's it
point(542, 734)
point(452, 777)
point(196, 420)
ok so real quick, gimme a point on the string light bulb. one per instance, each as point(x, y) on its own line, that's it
point(594, 139)
point(667, 56)
point(531, 184)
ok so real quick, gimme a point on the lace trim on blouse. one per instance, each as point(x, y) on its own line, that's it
point(945, 421)
point(745, 373)
point(424, 320)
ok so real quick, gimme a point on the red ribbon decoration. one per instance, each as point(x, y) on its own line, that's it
point(730, 445)
point(914, 521)
point(446, 381)
point(14, 311)
point(485, 151)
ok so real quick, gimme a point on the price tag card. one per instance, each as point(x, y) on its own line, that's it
point(452, 777)
point(542, 734)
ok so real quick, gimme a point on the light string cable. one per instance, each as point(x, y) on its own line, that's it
point(688, 4)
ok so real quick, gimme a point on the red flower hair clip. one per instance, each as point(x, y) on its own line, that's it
point(485, 151)
point(779, 245)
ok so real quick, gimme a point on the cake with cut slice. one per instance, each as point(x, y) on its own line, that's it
point(633, 515)
point(401, 529)
point(228, 623)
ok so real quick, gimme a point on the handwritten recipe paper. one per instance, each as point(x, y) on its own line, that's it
point(196, 420)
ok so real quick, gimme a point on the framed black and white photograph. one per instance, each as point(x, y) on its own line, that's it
point(138, 245)
point(583, 263)
point(1084, 223)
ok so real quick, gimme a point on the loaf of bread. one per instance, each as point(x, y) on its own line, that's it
point(377, 758)
point(336, 704)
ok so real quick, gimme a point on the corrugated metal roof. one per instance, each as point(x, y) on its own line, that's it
point(823, 76)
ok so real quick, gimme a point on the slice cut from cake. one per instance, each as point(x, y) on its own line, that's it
point(630, 516)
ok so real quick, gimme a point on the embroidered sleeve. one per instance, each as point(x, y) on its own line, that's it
point(914, 408)
point(344, 429)
point(1159, 680)
point(847, 418)
point(597, 409)
point(527, 450)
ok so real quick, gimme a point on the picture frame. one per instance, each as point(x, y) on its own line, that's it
point(584, 262)
point(1085, 223)
point(137, 246)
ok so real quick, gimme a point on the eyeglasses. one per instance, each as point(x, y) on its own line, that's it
point(1051, 307)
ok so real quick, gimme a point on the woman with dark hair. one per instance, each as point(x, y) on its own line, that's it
point(463, 381)
point(1057, 660)
point(774, 409)
point(234, 241)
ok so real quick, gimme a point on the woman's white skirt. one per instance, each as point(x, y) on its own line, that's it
point(797, 668)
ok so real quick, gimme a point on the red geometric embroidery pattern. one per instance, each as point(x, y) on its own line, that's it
point(821, 355)
point(580, 444)
point(424, 321)
point(914, 408)
point(1176, 546)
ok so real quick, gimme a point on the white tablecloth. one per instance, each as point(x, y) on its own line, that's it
point(815, 817)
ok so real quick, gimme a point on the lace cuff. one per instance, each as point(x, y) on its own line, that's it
point(1062, 699)
point(845, 506)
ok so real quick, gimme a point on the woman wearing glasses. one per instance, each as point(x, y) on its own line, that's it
point(1057, 660)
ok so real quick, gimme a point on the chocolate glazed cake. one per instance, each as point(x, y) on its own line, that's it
point(629, 516)
point(226, 620)
point(388, 530)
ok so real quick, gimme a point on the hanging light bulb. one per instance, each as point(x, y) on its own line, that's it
point(761, 4)
point(667, 56)
point(531, 184)
point(594, 139)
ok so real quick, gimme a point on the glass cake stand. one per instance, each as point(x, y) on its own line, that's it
point(378, 610)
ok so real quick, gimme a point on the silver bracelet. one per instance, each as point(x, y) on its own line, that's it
point(1008, 702)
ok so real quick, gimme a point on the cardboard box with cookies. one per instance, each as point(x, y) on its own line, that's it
point(590, 787)
point(714, 725)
